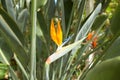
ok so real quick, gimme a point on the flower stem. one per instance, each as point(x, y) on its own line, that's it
point(33, 41)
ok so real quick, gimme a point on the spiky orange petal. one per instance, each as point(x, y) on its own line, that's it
point(53, 32)
point(56, 34)
point(89, 36)
point(59, 33)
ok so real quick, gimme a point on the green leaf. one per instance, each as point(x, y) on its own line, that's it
point(5, 60)
point(6, 50)
point(43, 27)
point(3, 70)
point(22, 19)
point(68, 4)
point(88, 24)
point(106, 70)
point(3, 66)
point(63, 50)
point(13, 41)
point(10, 8)
point(100, 20)
point(41, 3)
point(113, 50)
point(12, 24)
point(115, 24)
point(2, 74)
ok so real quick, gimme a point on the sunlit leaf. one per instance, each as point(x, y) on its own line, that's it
point(62, 51)
point(88, 24)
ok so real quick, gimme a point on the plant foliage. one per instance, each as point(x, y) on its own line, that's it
point(59, 39)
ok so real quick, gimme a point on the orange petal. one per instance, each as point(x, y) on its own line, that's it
point(94, 43)
point(89, 36)
point(59, 34)
point(53, 32)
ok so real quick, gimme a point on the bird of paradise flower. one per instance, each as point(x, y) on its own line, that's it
point(57, 36)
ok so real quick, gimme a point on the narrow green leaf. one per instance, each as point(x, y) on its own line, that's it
point(12, 24)
point(63, 16)
point(98, 25)
point(71, 15)
point(5, 60)
point(100, 20)
point(88, 24)
point(40, 34)
point(3, 70)
point(22, 3)
point(13, 41)
point(80, 14)
point(41, 3)
point(2, 73)
point(106, 70)
point(28, 3)
point(42, 24)
point(115, 24)
point(82, 33)
point(6, 50)
point(10, 8)
point(3, 66)
point(21, 67)
point(47, 72)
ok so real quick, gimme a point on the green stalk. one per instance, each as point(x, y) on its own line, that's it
point(33, 41)
point(60, 69)
point(46, 71)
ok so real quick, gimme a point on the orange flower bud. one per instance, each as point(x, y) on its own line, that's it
point(94, 43)
point(89, 36)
